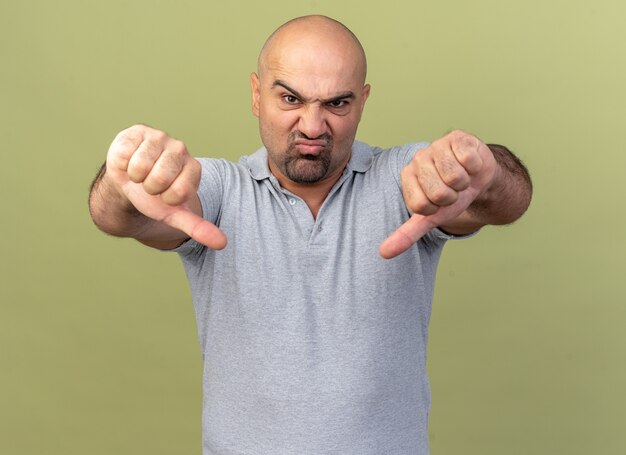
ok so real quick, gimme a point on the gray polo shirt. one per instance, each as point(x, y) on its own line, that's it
point(312, 343)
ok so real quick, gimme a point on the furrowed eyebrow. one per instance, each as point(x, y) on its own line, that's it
point(286, 87)
point(341, 96)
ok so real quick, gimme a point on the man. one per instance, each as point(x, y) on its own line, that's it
point(312, 342)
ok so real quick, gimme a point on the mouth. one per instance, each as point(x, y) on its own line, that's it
point(307, 147)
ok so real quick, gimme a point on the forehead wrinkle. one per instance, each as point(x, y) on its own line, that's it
point(310, 80)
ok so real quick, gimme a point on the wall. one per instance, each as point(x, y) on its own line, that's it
point(98, 348)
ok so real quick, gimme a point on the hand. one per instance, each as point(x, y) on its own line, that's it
point(438, 186)
point(160, 179)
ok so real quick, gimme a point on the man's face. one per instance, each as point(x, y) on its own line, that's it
point(309, 107)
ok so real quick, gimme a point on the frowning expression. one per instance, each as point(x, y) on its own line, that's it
point(309, 100)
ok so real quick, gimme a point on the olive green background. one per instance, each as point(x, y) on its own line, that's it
point(98, 347)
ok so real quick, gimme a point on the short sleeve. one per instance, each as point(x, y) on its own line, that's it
point(211, 188)
point(399, 157)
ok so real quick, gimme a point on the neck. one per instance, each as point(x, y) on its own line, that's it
point(313, 194)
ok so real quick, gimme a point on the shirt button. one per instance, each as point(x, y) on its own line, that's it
point(292, 201)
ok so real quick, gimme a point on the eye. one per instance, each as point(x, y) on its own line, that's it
point(338, 103)
point(290, 99)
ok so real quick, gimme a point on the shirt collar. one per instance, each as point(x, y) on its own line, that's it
point(360, 161)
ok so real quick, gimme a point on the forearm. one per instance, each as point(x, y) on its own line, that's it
point(112, 212)
point(509, 195)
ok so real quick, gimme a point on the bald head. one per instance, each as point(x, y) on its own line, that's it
point(314, 39)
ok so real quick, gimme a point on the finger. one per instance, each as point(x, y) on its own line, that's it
point(167, 168)
point(451, 172)
point(196, 227)
point(430, 182)
point(405, 236)
point(417, 226)
point(414, 197)
point(123, 147)
point(185, 184)
point(142, 161)
point(466, 148)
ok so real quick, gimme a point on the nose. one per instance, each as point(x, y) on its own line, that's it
point(312, 122)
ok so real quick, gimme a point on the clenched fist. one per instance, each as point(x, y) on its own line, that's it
point(152, 174)
point(439, 185)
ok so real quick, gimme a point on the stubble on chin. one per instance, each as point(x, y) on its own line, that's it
point(306, 169)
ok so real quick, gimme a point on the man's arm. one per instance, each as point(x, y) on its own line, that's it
point(147, 190)
point(503, 202)
point(459, 184)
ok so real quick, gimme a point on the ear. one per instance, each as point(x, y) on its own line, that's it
point(365, 93)
point(255, 85)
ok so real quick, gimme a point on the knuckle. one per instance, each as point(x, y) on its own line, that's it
point(437, 194)
point(156, 183)
point(459, 135)
point(174, 159)
point(443, 196)
point(150, 151)
point(123, 152)
point(417, 201)
point(154, 145)
point(161, 135)
point(158, 136)
point(136, 128)
point(176, 194)
point(456, 133)
point(463, 140)
point(472, 162)
point(121, 141)
point(415, 206)
point(422, 206)
point(457, 179)
point(119, 146)
point(133, 134)
point(137, 171)
point(117, 161)
point(421, 155)
point(465, 157)
point(125, 141)
point(178, 147)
